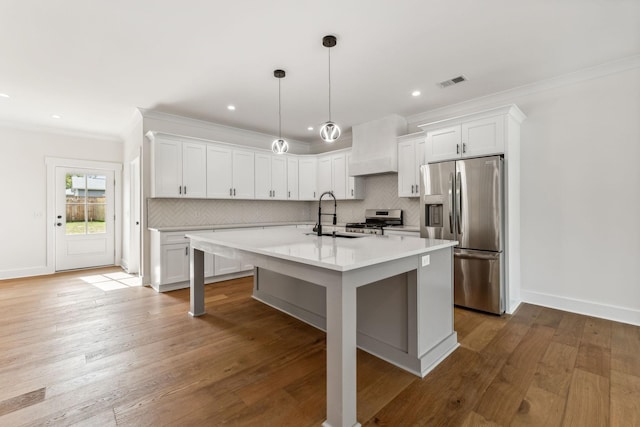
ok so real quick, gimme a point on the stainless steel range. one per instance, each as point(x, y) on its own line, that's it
point(375, 221)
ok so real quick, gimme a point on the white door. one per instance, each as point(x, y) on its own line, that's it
point(85, 224)
point(136, 217)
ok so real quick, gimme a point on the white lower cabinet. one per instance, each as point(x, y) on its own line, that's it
point(391, 232)
point(230, 265)
point(170, 262)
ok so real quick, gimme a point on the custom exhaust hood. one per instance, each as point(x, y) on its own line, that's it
point(374, 146)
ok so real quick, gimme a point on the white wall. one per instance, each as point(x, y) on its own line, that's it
point(23, 216)
point(581, 197)
point(580, 190)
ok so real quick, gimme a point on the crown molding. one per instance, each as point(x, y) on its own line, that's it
point(507, 96)
point(38, 128)
point(217, 129)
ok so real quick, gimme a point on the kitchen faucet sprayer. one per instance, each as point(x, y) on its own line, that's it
point(318, 227)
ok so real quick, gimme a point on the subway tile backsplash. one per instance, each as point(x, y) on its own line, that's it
point(381, 191)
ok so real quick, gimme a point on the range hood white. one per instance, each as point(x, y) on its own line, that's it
point(374, 146)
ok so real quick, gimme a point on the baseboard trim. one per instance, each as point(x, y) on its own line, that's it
point(25, 272)
point(589, 308)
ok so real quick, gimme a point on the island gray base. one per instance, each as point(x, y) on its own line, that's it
point(396, 321)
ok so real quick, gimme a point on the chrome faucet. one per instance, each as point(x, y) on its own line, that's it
point(318, 227)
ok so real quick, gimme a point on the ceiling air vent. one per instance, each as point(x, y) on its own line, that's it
point(452, 81)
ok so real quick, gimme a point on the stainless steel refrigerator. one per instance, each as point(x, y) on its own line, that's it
point(463, 200)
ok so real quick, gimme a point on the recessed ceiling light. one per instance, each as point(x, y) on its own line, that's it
point(310, 128)
point(415, 93)
point(231, 107)
point(56, 116)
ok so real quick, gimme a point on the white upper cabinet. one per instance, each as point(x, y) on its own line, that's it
point(307, 178)
point(355, 185)
point(178, 168)
point(270, 177)
point(333, 175)
point(480, 134)
point(292, 178)
point(411, 155)
point(483, 137)
point(229, 173)
point(188, 167)
point(339, 175)
point(243, 174)
point(444, 144)
point(324, 174)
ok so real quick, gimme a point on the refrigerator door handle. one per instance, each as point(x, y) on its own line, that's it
point(451, 202)
point(459, 201)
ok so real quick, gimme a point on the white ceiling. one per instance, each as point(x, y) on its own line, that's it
point(94, 61)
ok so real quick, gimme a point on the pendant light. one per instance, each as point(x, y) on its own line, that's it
point(330, 131)
point(279, 146)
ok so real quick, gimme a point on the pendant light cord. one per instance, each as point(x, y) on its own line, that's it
point(329, 83)
point(279, 112)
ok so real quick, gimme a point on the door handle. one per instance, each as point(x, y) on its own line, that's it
point(457, 148)
point(464, 147)
point(459, 201)
point(180, 189)
point(186, 251)
point(451, 203)
point(234, 191)
point(231, 192)
point(185, 189)
point(352, 191)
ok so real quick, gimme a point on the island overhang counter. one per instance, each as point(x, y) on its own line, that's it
point(390, 295)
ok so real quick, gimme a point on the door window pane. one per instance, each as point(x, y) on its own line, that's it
point(85, 204)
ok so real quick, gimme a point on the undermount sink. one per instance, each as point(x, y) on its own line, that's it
point(338, 234)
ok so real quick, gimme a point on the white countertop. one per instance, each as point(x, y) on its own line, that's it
point(340, 254)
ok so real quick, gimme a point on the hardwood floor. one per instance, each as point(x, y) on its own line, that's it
point(74, 354)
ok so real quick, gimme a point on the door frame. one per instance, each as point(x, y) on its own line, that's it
point(52, 163)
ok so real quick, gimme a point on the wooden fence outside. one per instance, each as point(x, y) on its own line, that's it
point(96, 208)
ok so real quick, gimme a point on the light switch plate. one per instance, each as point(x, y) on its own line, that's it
point(425, 260)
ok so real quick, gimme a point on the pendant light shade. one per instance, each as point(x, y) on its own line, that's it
point(330, 131)
point(279, 146)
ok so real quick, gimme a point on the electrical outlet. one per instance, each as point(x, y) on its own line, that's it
point(425, 260)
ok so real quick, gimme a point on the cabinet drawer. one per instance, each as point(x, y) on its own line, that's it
point(167, 238)
point(171, 237)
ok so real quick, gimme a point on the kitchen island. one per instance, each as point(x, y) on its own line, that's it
point(390, 295)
